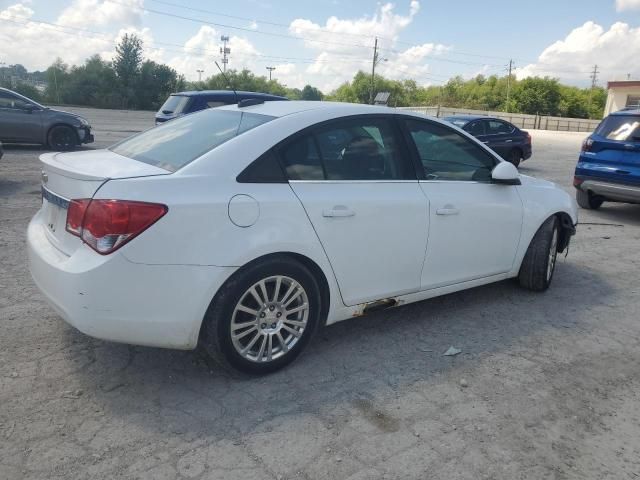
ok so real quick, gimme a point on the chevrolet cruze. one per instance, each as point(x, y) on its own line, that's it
point(246, 227)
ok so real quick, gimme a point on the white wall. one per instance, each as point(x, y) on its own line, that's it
point(617, 98)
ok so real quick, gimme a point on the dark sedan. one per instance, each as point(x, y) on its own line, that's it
point(504, 138)
point(23, 120)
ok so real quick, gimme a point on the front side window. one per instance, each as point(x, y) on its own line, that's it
point(353, 149)
point(13, 102)
point(447, 155)
point(174, 144)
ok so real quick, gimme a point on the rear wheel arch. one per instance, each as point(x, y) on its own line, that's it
point(311, 265)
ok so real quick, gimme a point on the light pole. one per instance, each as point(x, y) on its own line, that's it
point(271, 69)
point(199, 74)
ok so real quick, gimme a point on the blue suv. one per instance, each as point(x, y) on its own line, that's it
point(609, 165)
point(181, 103)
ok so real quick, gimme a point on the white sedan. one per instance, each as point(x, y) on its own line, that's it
point(243, 228)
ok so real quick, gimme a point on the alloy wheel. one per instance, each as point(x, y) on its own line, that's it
point(269, 319)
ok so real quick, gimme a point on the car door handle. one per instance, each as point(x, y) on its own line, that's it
point(447, 210)
point(338, 211)
point(508, 141)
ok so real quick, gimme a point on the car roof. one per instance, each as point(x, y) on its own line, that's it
point(281, 109)
point(226, 93)
point(630, 111)
point(473, 117)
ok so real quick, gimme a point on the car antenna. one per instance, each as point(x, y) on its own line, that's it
point(227, 80)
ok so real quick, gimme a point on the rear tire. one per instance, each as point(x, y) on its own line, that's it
point(514, 157)
point(588, 200)
point(255, 324)
point(62, 138)
point(538, 265)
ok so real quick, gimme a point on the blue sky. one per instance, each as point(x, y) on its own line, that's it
point(426, 40)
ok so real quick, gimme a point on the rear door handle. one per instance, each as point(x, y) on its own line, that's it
point(338, 211)
point(508, 141)
point(447, 210)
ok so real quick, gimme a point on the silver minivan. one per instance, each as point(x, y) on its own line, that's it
point(23, 120)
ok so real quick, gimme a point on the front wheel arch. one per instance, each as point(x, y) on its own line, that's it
point(61, 124)
point(567, 230)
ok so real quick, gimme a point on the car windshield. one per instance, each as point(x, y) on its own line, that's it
point(175, 104)
point(620, 127)
point(175, 144)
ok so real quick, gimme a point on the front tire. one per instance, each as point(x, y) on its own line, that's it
point(62, 138)
point(538, 265)
point(588, 200)
point(263, 317)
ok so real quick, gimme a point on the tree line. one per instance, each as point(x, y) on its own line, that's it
point(131, 82)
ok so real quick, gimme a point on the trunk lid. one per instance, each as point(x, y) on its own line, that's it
point(76, 175)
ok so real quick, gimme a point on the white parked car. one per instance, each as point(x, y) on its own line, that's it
point(246, 227)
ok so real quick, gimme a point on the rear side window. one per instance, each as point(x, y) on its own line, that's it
point(174, 144)
point(476, 128)
point(301, 160)
point(447, 155)
point(359, 148)
point(620, 127)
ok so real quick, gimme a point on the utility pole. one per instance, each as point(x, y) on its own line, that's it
point(199, 74)
point(510, 68)
point(373, 70)
point(594, 82)
point(271, 69)
point(224, 51)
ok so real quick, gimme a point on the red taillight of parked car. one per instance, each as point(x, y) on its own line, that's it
point(527, 138)
point(587, 144)
point(577, 181)
point(106, 225)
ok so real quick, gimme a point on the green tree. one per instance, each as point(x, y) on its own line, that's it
point(127, 63)
point(537, 96)
point(311, 93)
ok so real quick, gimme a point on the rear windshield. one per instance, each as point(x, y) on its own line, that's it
point(620, 127)
point(458, 122)
point(174, 144)
point(175, 104)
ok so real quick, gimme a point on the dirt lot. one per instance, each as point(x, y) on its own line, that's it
point(552, 380)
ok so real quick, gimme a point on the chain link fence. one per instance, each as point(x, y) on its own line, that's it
point(521, 120)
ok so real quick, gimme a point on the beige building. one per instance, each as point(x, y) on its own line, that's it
point(622, 94)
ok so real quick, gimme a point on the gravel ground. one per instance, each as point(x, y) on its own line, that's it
point(547, 385)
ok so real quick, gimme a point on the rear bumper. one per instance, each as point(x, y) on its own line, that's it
point(111, 298)
point(526, 152)
point(611, 191)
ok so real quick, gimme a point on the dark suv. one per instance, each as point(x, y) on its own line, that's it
point(181, 103)
point(504, 138)
point(24, 121)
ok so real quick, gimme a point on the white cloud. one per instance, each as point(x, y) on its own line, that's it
point(622, 5)
point(203, 48)
point(340, 55)
point(615, 51)
point(127, 12)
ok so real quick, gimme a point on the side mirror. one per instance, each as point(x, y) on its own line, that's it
point(30, 108)
point(505, 173)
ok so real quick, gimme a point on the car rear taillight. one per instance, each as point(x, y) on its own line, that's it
point(106, 225)
point(527, 137)
point(577, 181)
point(587, 144)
